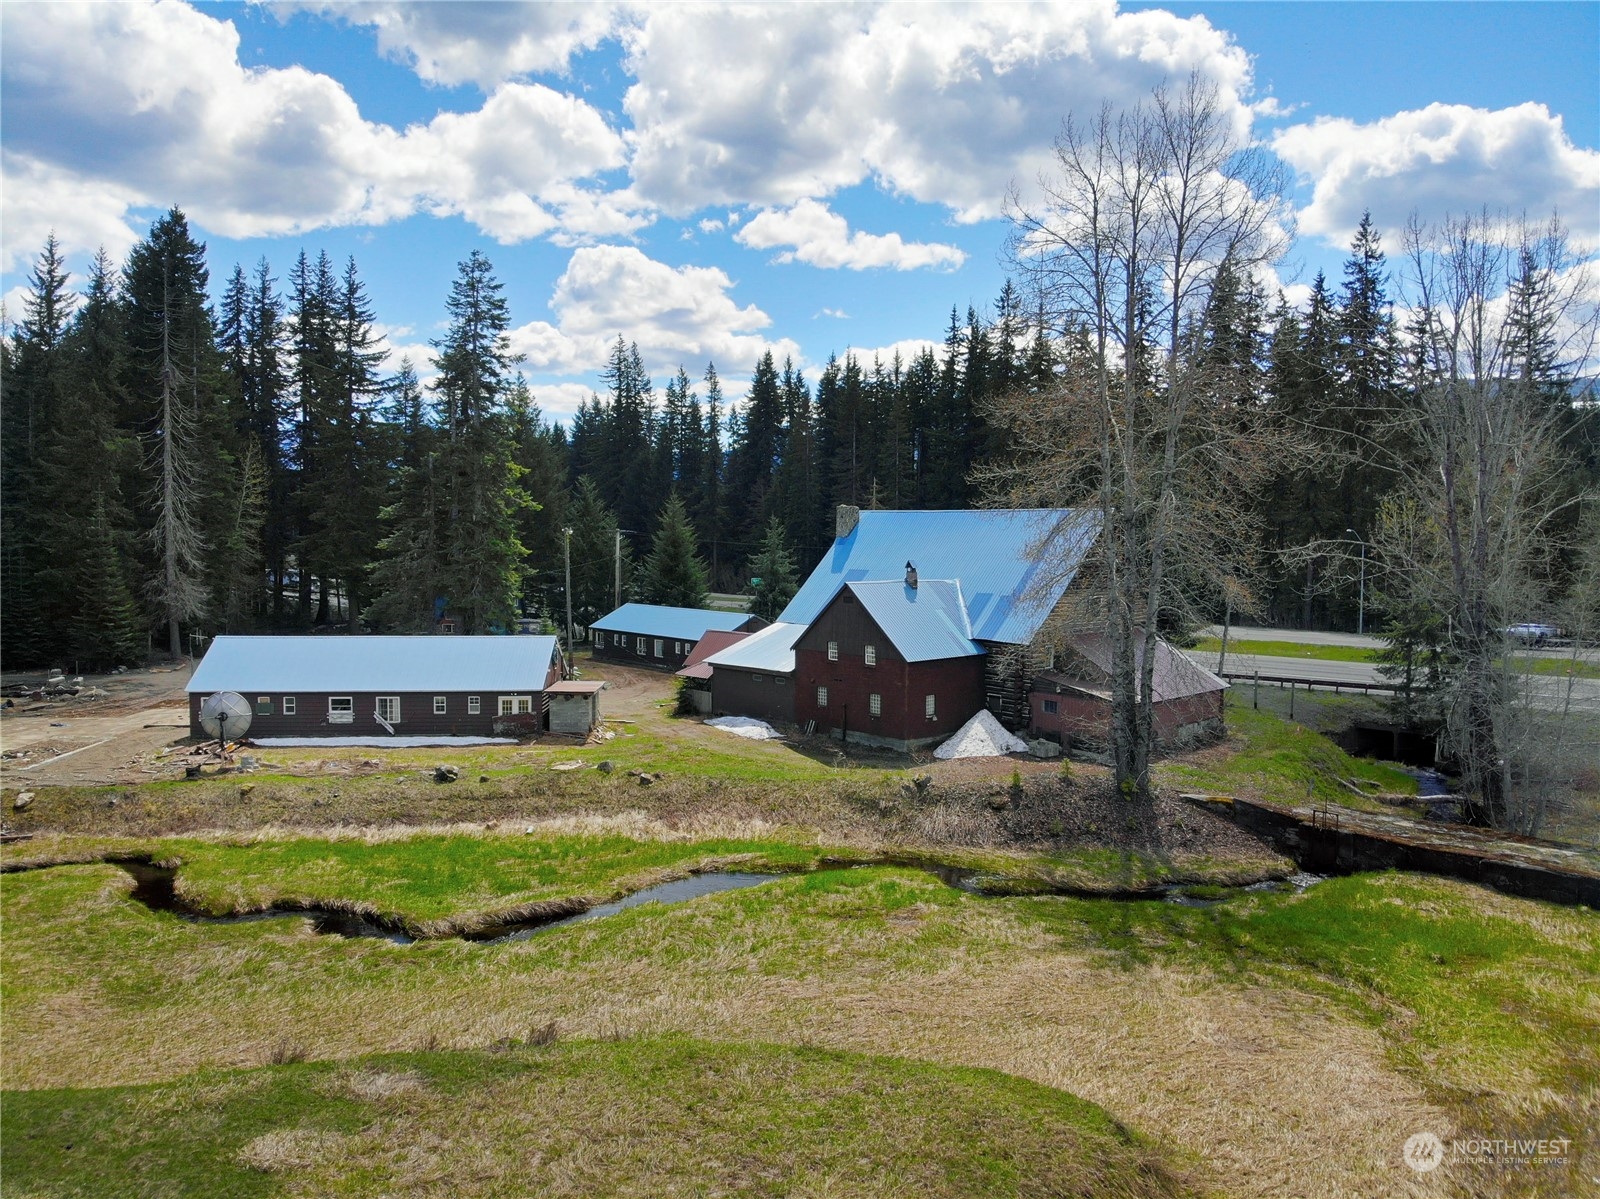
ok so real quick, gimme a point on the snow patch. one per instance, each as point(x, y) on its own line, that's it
point(380, 742)
point(745, 726)
point(981, 737)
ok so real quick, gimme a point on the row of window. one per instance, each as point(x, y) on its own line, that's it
point(641, 644)
point(930, 707)
point(869, 654)
point(342, 708)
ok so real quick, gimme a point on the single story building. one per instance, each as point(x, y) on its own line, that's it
point(697, 671)
point(891, 664)
point(367, 686)
point(659, 636)
point(574, 706)
point(755, 677)
point(1073, 702)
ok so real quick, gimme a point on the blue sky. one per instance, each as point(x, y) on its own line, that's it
point(713, 181)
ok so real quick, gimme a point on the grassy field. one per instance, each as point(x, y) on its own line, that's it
point(1271, 758)
point(1366, 1008)
point(1286, 649)
point(678, 1116)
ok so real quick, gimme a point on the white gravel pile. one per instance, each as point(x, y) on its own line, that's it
point(981, 737)
point(745, 726)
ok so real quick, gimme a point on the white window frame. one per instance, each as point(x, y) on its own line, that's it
point(874, 704)
point(822, 697)
point(599, 640)
point(390, 701)
point(341, 709)
point(288, 705)
point(441, 705)
point(659, 647)
point(833, 651)
point(869, 655)
point(515, 705)
point(474, 705)
point(640, 645)
point(264, 705)
point(930, 707)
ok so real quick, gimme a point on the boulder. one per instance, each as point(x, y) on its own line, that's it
point(22, 802)
point(445, 774)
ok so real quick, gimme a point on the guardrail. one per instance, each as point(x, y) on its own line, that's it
point(1334, 685)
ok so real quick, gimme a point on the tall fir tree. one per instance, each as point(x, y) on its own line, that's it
point(773, 578)
point(674, 574)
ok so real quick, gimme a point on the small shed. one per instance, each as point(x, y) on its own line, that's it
point(574, 706)
point(1074, 701)
point(696, 672)
point(660, 636)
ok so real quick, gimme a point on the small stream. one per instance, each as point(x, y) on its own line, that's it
point(155, 888)
point(1434, 789)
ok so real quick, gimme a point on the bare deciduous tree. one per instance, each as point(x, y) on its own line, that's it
point(1506, 315)
point(1152, 213)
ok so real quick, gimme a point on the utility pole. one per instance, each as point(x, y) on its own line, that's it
point(567, 546)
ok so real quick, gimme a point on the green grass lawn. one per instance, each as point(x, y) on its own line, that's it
point(1287, 649)
point(659, 1116)
point(1272, 758)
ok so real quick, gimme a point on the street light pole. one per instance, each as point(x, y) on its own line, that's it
point(1361, 603)
point(567, 545)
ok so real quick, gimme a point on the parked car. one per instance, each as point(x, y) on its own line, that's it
point(1531, 633)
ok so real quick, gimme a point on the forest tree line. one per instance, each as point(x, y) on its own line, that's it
point(173, 464)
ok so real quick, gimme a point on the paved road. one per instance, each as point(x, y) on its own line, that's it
point(1549, 691)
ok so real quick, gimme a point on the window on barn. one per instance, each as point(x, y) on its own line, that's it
point(875, 704)
point(389, 708)
point(639, 646)
point(928, 707)
point(341, 709)
point(658, 647)
point(516, 705)
point(288, 705)
point(474, 705)
point(599, 640)
point(758, 678)
point(263, 705)
point(833, 651)
point(870, 655)
point(1051, 707)
point(439, 705)
point(822, 697)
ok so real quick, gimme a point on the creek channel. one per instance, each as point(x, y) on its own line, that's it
point(155, 888)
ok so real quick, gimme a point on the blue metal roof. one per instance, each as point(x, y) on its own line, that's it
point(770, 649)
point(1012, 564)
point(681, 624)
point(925, 622)
point(335, 663)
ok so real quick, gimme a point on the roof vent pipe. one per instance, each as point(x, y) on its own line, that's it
point(911, 576)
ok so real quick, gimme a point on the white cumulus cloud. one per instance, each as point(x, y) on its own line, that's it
point(677, 315)
point(112, 107)
point(482, 43)
point(1445, 158)
point(943, 103)
point(822, 238)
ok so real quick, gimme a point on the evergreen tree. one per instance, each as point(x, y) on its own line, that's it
point(756, 449)
point(708, 516)
point(772, 574)
point(541, 455)
point(406, 575)
point(674, 574)
point(600, 579)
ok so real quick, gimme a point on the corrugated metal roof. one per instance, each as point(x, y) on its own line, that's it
point(770, 649)
point(657, 620)
point(1010, 585)
point(1175, 675)
point(398, 664)
point(925, 622)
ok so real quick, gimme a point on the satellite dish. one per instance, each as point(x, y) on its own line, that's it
point(225, 714)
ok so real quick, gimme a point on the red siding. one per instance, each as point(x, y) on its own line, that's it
point(1088, 718)
point(955, 683)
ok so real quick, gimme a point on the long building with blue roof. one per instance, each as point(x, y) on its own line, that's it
point(659, 635)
